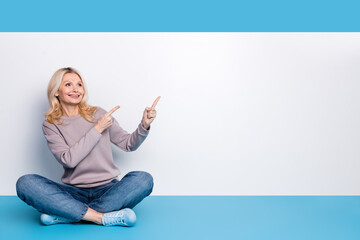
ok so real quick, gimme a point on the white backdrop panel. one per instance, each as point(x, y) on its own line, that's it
point(240, 113)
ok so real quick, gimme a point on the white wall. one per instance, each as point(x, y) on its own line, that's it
point(240, 113)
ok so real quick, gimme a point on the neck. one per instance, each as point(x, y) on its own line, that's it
point(70, 111)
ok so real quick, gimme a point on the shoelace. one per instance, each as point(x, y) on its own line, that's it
point(116, 218)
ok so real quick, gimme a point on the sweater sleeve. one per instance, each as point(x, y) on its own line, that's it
point(70, 156)
point(124, 140)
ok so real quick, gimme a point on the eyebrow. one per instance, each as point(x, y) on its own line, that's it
point(67, 81)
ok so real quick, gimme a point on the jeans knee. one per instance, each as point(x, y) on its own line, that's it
point(145, 179)
point(25, 182)
point(149, 180)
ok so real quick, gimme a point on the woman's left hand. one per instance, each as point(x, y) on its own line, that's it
point(149, 115)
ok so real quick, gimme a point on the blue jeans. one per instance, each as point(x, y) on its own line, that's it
point(72, 202)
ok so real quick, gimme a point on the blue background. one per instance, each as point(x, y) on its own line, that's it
point(179, 16)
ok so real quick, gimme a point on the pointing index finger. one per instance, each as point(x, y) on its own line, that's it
point(113, 110)
point(156, 101)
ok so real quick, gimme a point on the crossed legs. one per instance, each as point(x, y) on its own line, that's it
point(68, 202)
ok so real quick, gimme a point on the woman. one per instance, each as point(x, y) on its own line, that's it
point(79, 136)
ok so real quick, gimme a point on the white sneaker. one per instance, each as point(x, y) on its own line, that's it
point(124, 217)
point(50, 219)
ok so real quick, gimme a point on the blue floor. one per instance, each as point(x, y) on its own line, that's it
point(203, 217)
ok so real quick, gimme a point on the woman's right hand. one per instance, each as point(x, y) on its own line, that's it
point(105, 120)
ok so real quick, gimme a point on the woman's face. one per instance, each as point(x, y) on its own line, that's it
point(71, 89)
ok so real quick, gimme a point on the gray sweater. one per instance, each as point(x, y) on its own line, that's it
point(85, 153)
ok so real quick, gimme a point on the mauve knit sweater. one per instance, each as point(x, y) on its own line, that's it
point(85, 153)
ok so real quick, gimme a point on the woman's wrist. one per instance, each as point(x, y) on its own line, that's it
point(98, 129)
point(145, 126)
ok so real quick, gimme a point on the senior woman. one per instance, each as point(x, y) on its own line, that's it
point(80, 137)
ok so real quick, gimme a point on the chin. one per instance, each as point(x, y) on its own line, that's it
point(74, 100)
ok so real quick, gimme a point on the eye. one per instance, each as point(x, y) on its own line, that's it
point(67, 84)
point(80, 84)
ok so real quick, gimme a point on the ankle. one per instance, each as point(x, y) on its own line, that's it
point(93, 216)
point(100, 221)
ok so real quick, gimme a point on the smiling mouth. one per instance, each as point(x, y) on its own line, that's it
point(74, 96)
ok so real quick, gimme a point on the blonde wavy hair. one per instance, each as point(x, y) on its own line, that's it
point(55, 112)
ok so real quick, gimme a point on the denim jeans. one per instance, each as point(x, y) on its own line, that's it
point(72, 202)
